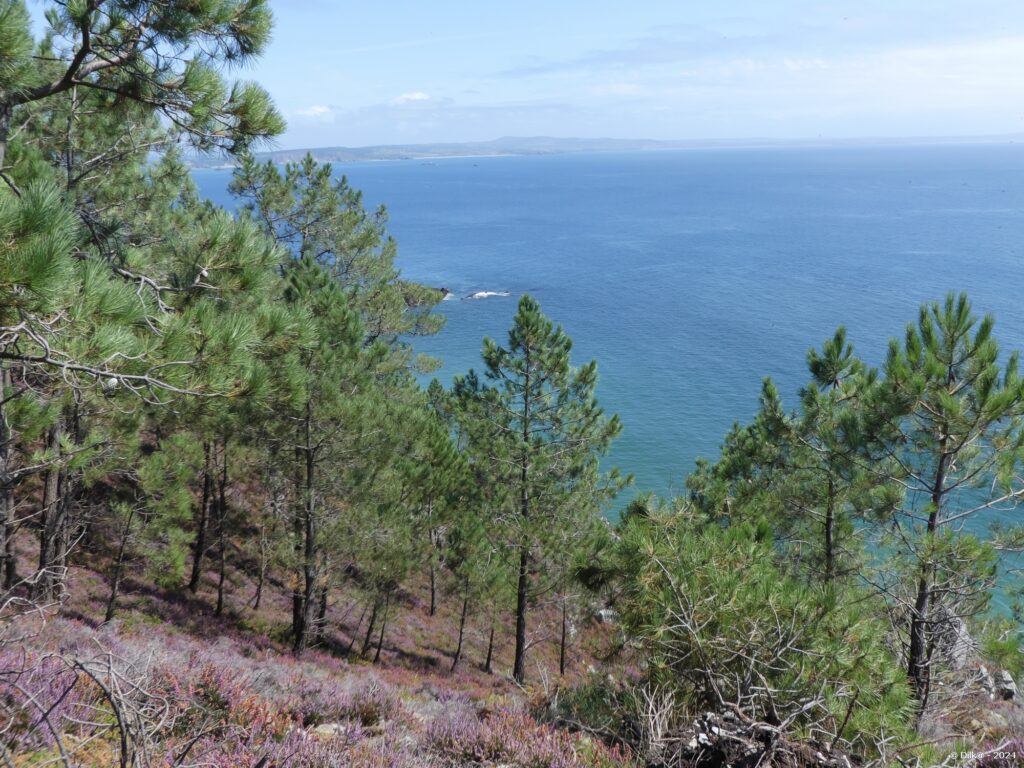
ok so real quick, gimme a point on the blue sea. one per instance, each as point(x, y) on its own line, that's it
point(691, 275)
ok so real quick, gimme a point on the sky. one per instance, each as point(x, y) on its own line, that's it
point(356, 73)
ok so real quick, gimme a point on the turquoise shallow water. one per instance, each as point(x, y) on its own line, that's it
point(691, 275)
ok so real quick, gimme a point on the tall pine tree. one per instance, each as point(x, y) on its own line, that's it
point(541, 432)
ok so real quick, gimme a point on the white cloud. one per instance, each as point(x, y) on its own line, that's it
point(408, 98)
point(316, 112)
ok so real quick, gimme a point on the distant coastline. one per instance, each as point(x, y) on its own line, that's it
point(512, 146)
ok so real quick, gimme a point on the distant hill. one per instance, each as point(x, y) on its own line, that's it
point(550, 145)
point(508, 145)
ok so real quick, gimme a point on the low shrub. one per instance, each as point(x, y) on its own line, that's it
point(720, 623)
point(513, 738)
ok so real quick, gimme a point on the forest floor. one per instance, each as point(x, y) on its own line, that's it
point(232, 681)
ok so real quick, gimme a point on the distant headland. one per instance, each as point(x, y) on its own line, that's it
point(550, 145)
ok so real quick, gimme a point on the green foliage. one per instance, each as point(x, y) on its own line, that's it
point(812, 473)
point(721, 623)
point(165, 477)
point(1002, 645)
point(37, 233)
point(321, 219)
point(15, 44)
point(169, 57)
point(599, 705)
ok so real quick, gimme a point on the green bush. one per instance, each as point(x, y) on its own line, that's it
point(722, 625)
point(1002, 645)
point(598, 706)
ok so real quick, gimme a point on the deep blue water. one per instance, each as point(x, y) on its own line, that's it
point(691, 275)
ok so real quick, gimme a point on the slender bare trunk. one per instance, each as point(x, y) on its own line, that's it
point(433, 555)
point(52, 522)
point(462, 631)
point(522, 595)
point(522, 588)
point(830, 556)
point(917, 656)
point(199, 548)
point(383, 626)
point(9, 564)
point(433, 587)
point(320, 629)
point(297, 608)
point(6, 108)
point(368, 639)
point(355, 632)
point(262, 576)
point(222, 542)
point(309, 550)
point(488, 668)
point(69, 148)
point(115, 579)
point(561, 648)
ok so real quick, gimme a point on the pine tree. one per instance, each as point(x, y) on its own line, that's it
point(166, 56)
point(338, 265)
point(312, 215)
point(813, 474)
point(36, 235)
point(131, 310)
point(539, 430)
point(952, 419)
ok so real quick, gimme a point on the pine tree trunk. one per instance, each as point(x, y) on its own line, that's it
point(519, 666)
point(490, 650)
point(433, 587)
point(115, 579)
point(383, 626)
point(830, 556)
point(6, 109)
point(309, 553)
point(221, 573)
point(561, 648)
point(199, 550)
point(462, 632)
point(321, 617)
point(222, 514)
point(67, 493)
point(297, 607)
point(262, 576)
point(50, 535)
point(355, 632)
point(297, 612)
point(368, 639)
point(522, 589)
point(433, 554)
point(917, 656)
point(69, 144)
point(9, 564)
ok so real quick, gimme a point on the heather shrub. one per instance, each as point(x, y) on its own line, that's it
point(201, 701)
point(40, 697)
point(373, 703)
point(327, 701)
point(245, 747)
point(515, 739)
point(1009, 754)
point(380, 753)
